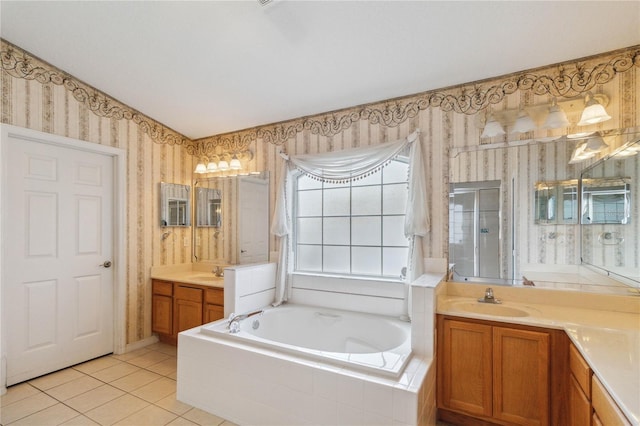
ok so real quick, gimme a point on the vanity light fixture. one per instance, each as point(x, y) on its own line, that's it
point(580, 154)
point(223, 165)
point(492, 128)
point(200, 167)
point(235, 163)
point(595, 144)
point(593, 112)
point(524, 123)
point(212, 167)
point(557, 118)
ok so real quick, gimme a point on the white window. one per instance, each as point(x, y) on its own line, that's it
point(354, 228)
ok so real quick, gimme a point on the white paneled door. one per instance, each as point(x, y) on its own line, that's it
point(58, 280)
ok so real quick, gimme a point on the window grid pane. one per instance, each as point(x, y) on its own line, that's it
point(361, 225)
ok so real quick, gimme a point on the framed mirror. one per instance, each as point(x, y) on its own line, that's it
point(208, 207)
point(175, 204)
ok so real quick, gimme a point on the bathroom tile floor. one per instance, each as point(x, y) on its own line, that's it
point(137, 388)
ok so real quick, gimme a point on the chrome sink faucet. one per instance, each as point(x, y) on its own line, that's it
point(218, 272)
point(488, 297)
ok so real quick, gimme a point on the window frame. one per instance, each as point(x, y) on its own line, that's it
point(323, 188)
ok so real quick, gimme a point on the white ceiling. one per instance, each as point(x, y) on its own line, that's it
point(205, 67)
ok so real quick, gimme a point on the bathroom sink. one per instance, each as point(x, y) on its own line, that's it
point(490, 309)
point(203, 277)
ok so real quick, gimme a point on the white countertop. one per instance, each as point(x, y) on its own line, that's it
point(608, 340)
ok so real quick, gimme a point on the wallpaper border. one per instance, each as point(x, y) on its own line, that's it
point(18, 63)
point(571, 78)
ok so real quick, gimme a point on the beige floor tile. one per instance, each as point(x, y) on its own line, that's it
point(164, 368)
point(181, 421)
point(115, 372)
point(80, 421)
point(94, 398)
point(202, 417)
point(16, 393)
point(25, 407)
point(53, 416)
point(156, 390)
point(97, 364)
point(164, 348)
point(172, 404)
point(135, 380)
point(129, 355)
point(74, 388)
point(151, 415)
point(116, 410)
point(55, 379)
point(149, 358)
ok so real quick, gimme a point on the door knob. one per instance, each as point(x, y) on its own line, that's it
point(106, 264)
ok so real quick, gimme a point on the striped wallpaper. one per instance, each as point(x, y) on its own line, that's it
point(41, 97)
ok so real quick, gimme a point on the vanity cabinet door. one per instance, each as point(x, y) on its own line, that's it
point(162, 307)
point(579, 404)
point(187, 308)
point(464, 359)
point(489, 373)
point(520, 376)
point(214, 304)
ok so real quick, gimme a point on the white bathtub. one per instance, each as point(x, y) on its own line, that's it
point(368, 343)
point(306, 365)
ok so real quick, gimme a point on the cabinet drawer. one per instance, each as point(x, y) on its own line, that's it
point(164, 288)
point(189, 293)
point(604, 406)
point(580, 370)
point(214, 296)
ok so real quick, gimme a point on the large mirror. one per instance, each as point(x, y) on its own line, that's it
point(539, 236)
point(175, 204)
point(232, 219)
point(610, 233)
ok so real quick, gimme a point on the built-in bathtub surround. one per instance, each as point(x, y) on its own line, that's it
point(254, 380)
point(248, 287)
point(255, 385)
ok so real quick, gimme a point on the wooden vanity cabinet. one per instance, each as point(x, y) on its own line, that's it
point(214, 304)
point(180, 306)
point(605, 410)
point(580, 411)
point(162, 307)
point(497, 373)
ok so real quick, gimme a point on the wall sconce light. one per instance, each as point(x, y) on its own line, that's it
point(492, 128)
point(524, 123)
point(593, 112)
point(557, 118)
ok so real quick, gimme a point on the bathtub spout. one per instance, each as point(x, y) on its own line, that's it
point(234, 320)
